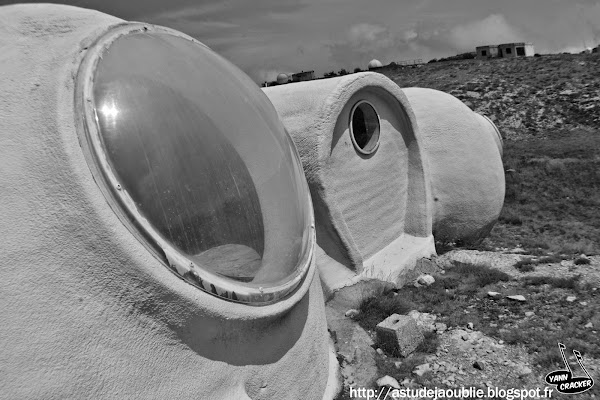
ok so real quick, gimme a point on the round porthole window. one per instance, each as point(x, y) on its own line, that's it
point(196, 162)
point(364, 127)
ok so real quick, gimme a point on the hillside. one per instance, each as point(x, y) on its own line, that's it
point(548, 111)
point(526, 97)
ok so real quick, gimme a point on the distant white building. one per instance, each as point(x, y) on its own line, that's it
point(506, 50)
point(483, 52)
point(516, 50)
point(303, 76)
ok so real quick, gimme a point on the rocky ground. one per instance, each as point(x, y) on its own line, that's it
point(526, 97)
point(480, 340)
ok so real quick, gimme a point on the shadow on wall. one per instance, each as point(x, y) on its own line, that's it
point(256, 341)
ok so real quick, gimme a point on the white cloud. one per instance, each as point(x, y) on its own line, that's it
point(190, 12)
point(369, 34)
point(493, 29)
point(265, 37)
point(409, 35)
point(362, 43)
point(577, 28)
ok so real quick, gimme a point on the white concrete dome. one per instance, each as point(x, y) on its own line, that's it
point(137, 168)
point(374, 64)
point(458, 142)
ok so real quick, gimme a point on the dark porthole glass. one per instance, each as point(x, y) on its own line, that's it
point(202, 154)
point(364, 127)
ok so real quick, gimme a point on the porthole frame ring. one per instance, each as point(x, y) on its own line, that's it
point(122, 204)
point(495, 127)
point(378, 132)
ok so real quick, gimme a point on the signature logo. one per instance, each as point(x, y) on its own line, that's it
point(565, 381)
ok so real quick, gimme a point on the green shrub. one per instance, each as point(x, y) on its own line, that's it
point(525, 265)
point(564, 283)
point(582, 261)
point(430, 344)
point(483, 274)
point(375, 309)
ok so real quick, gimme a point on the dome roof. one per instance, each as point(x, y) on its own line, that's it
point(282, 78)
point(375, 64)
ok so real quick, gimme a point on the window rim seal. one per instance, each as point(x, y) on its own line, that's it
point(356, 146)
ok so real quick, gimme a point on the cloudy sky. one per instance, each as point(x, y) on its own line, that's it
point(265, 37)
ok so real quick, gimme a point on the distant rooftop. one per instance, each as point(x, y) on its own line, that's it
point(516, 44)
point(506, 44)
point(303, 72)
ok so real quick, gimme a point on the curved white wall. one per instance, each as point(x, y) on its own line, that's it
point(373, 212)
point(87, 310)
point(464, 150)
point(438, 170)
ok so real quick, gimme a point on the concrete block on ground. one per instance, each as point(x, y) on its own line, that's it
point(399, 334)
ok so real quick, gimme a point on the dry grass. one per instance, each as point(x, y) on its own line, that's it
point(552, 205)
point(526, 97)
point(548, 111)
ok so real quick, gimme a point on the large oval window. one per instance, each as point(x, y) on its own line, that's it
point(199, 157)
